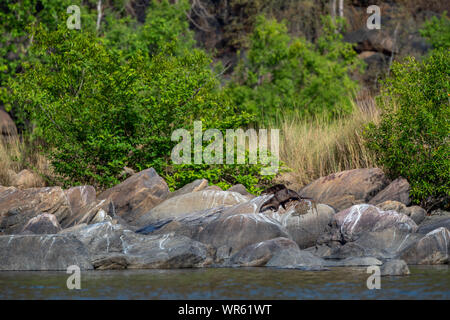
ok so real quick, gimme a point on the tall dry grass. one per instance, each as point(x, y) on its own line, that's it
point(319, 147)
point(17, 155)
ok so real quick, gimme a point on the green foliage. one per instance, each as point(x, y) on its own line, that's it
point(412, 138)
point(437, 30)
point(285, 74)
point(100, 112)
point(164, 23)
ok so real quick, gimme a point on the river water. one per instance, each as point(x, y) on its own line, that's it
point(425, 282)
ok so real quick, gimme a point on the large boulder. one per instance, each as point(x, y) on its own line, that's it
point(383, 244)
point(231, 233)
point(365, 218)
point(344, 189)
point(42, 252)
point(433, 248)
point(137, 195)
point(258, 254)
point(397, 190)
point(186, 204)
point(86, 208)
point(354, 262)
point(294, 258)
point(116, 247)
point(17, 206)
point(42, 224)
point(305, 228)
point(240, 188)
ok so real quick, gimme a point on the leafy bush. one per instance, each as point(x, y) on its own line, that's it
point(412, 138)
point(282, 74)
point(437, 31)
point(99, 112)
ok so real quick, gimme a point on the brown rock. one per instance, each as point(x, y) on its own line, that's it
point(194, 186)
point(416, 213)
point(397, 190)
point(239, 188)
point(17, 206)
point(344, 189)
point(137, 195)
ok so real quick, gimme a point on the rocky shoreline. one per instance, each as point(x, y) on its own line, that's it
point(360, 218)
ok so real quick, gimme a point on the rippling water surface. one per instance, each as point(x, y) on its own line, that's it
point(425, 282)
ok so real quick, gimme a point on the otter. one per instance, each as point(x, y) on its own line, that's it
point(282, 196)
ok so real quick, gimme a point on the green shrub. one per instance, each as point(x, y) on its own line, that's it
point(284, 74)
point(437, 31)
point(412, 138)
point(99, 112)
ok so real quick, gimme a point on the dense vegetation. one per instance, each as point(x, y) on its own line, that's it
point(110, 95)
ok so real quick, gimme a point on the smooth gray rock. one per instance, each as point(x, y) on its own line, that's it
point(294, 258)
point(306, 228)
point(258, 254)
point(116, 247)
point(43, 224)
point(433, 224)
point(42, 252)
point(365, 218)
point(433, 248)
point(395, 267)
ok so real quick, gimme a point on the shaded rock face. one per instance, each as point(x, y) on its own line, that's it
point(137, 195)
point(433, 248)
point(17, 207)
point(42, 252)
point(186, 204)
point(416, 213)
point(395, 268)
point(397, 190)
point(43, 224)
point(366, 218)
point(344, 189)
point(115, 247)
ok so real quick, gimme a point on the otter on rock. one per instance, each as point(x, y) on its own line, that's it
point(281, 196)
